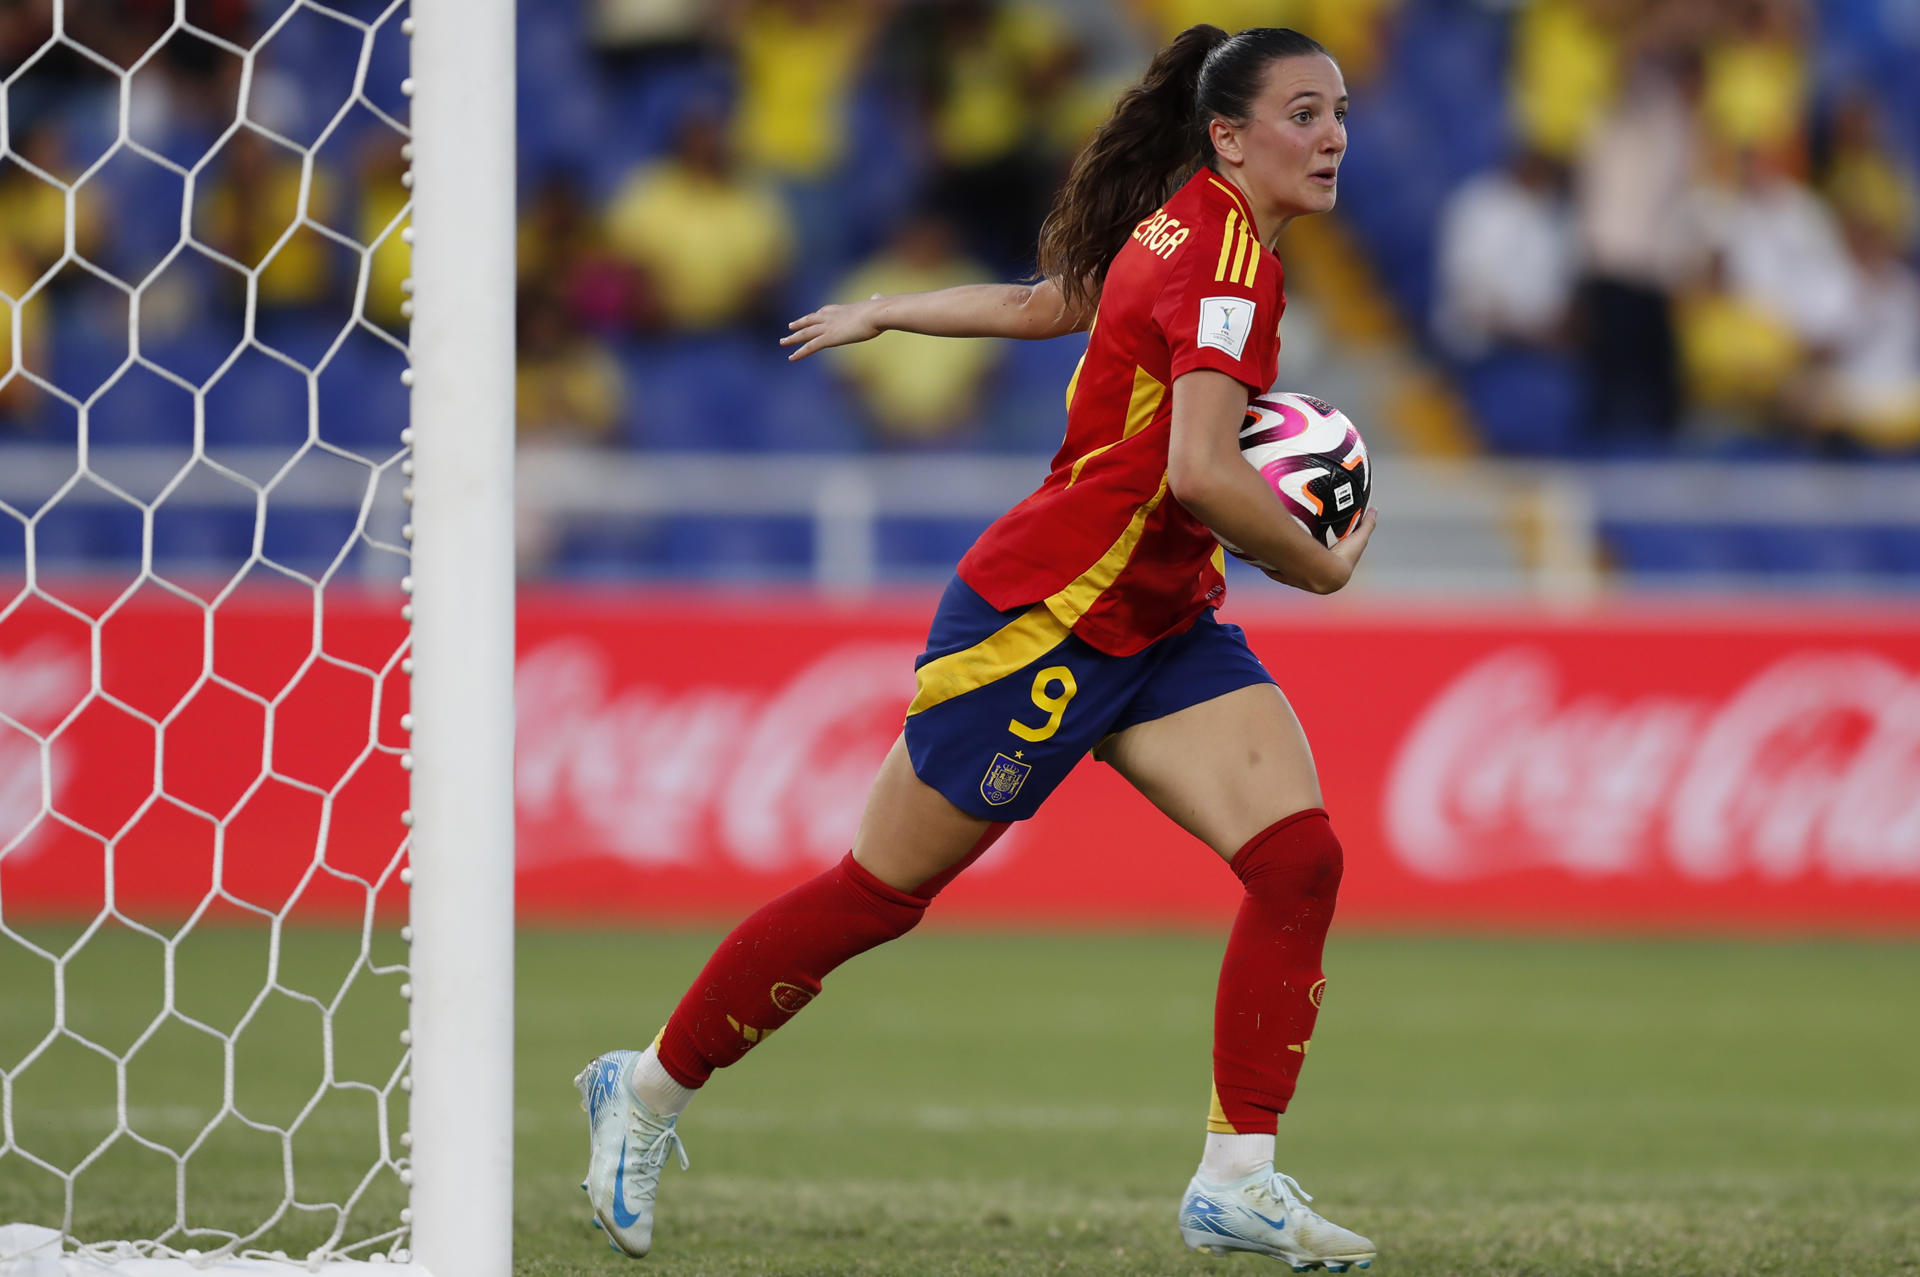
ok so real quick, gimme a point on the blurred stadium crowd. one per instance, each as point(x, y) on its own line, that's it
point(256, 222)
point(1616, 225)
point(1567, 228)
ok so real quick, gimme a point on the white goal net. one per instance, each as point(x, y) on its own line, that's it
point(204, 670)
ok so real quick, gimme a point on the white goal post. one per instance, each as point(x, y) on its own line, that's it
point(463, 635)
point(429, 525)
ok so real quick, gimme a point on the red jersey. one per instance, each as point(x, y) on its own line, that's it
point(1102, 542)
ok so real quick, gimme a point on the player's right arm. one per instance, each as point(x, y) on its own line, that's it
point(1032, 312)
point(1207, 475)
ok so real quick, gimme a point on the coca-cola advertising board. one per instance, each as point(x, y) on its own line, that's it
point(683, 757)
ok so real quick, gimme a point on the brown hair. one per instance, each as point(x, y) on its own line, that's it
point(1153, 142)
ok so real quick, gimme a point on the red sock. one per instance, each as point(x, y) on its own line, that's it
point(772, 964)
point(1270, 980)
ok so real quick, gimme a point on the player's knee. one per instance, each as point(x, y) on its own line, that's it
point(1298, 856)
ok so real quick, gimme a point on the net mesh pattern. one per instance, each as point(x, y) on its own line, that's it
point(203, 644)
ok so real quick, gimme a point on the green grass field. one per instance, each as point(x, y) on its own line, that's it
point(964, 1103)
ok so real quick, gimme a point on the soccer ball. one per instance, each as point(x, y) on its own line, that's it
point(1314, 460)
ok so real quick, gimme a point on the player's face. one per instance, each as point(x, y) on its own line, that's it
point(1293, 145)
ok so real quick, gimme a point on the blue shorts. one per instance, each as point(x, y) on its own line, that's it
point(1006, 703)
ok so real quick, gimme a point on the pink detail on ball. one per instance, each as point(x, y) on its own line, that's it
point(1292, 422)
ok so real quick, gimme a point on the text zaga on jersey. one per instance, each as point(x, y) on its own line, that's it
point(1161, 234)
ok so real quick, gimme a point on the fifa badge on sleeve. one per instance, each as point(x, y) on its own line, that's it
point(1225, 323)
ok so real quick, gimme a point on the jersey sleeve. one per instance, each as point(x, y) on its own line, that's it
point(1220, 307)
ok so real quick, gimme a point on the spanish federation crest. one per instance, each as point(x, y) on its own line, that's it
point(1002, 782)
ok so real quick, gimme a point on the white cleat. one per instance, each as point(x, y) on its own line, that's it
point(627, 1147)
point(1266, 1213)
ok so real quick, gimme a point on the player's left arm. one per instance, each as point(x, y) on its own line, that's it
point(1031, 312)
point(1207, 475)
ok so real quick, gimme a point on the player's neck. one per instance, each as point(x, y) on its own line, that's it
point(1267, 221)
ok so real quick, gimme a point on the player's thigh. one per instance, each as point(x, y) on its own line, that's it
point(1223, 769)
point(910, 831)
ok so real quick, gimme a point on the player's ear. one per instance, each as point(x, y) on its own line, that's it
point(1226, 141)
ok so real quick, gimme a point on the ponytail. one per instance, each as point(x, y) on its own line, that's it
point(1153, 142)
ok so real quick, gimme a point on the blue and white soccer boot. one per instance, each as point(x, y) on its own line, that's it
point(1267, 1213)
point(627, 1147)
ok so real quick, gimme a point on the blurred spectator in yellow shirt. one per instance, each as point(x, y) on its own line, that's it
point(992, 75)
point(33, 239)
point(916, 388)
point(567, 385)
point(1865, 179)
point(1739, 359)
point(1779, 295)
point(1351, 30)
point(33, 212)
point(709, 242)
point(382, 201)
point(252, 201)
point(568, 391)
point(1754, 93)
point(799, 61)
point(1565, 71)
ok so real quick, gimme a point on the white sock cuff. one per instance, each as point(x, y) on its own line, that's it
point(657, 1088)
point(1233, 1157)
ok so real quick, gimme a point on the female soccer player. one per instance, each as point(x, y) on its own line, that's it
point(1082, 621)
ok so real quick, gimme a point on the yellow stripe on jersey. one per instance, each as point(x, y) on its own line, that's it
point(1142, 405)
point(1227, 242)
point(1149, 392)
point(1244, 246)
point(1079, 596)
point(1034, 632)
point(1074, 381)
point(1217, 1123)
point(1233, 193)
point(1019, 642)
point(1220, 560)
point(1074, 476)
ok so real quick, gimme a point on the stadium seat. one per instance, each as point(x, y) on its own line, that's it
point(1839, 554)
point(194, 353)
point(141, 407)
point(257, 402)
point(85, 348)
point(606, 549)
point(646, 104)
point(302, 336)
point(1027, 407)
point(192, 541)
point(804, 408)
point(1895, 551)
point(1528, 403)
point(929, 548)
point(712, 548)
point(306, 540)
point(1666, 550)
point(691, 393)
point(363, 403)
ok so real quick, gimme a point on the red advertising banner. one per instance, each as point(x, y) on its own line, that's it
point(160, 756)
point(685, 757)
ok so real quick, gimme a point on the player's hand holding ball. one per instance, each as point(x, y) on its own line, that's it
point(1314, 460)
